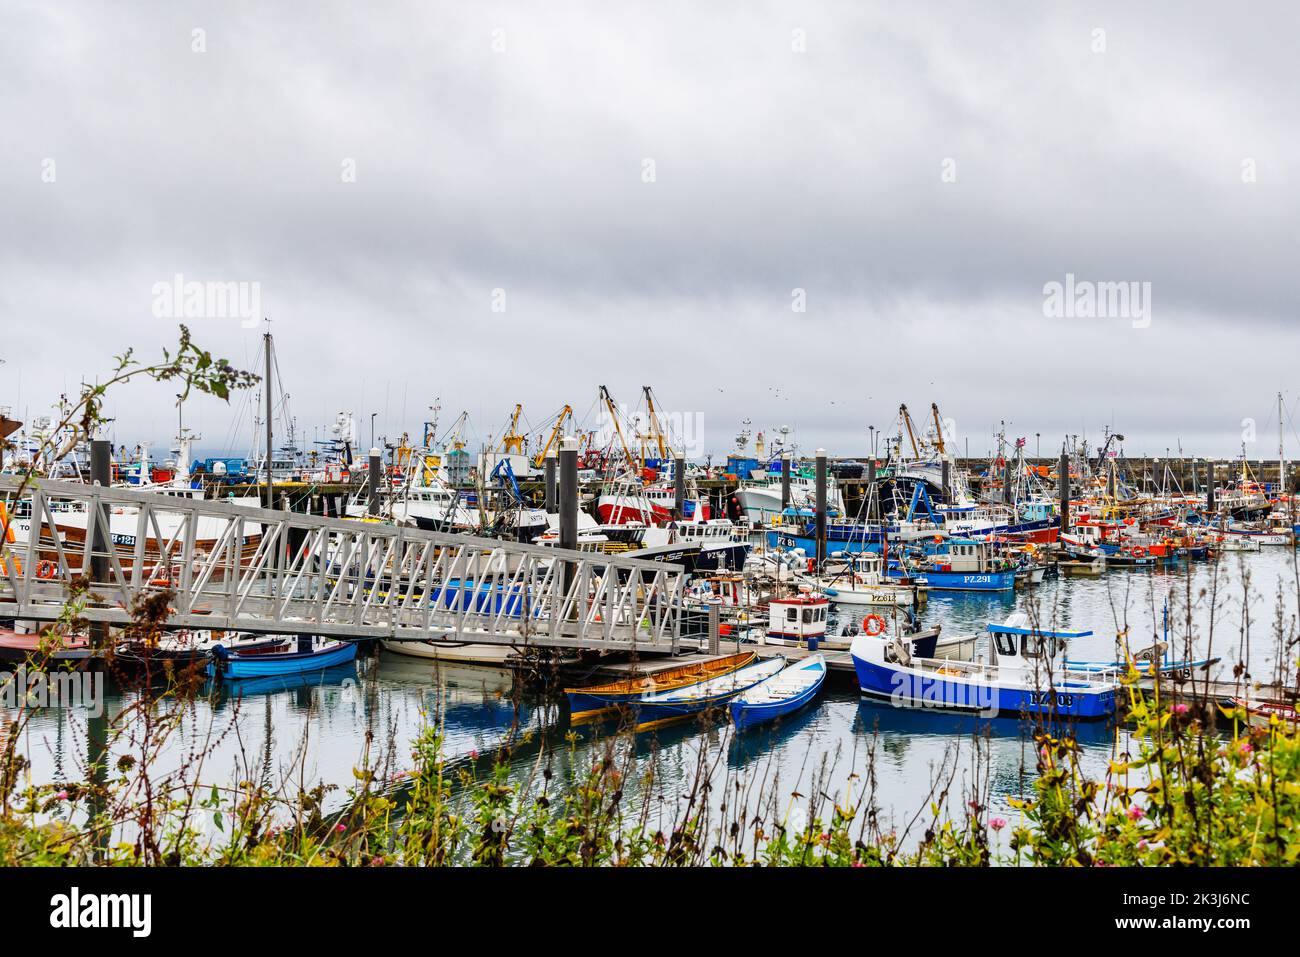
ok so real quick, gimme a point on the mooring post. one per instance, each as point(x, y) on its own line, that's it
point(946, 471)
point(1063, 485)
point(1007, 495)
point(785, 481)
point(870, 511)
point(1209, 486)
point(679, 488)
point(821, 509)
point(375, 476)
point(101, 474)
point(568, 502)
point(715, 627)
point(551, 504)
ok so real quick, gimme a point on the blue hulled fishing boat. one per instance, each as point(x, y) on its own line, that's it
point(1027, 675)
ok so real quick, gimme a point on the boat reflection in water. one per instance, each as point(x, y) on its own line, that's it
point(468, 701)
point(224, 693)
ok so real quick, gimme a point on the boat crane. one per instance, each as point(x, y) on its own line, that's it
point(618, 429)
point(512, 443)
point(938, 428)
point(553, 440)
point(656, 431)
point(905, 420)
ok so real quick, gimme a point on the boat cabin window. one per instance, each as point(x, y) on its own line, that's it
point(1006, 644)
point(792, 614)
point(1036, 646)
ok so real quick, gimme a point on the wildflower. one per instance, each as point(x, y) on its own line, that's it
point(1142, 844)
point(62, 795)
point(1246, 747)
point(998, 823)
point(1179, 708)
point(340, 827)
point(1135, 813)
point(473, 755)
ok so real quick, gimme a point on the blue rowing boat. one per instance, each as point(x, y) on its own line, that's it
point(308, 655)
point(782, 694)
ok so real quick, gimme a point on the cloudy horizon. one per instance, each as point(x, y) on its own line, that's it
point(796, 214)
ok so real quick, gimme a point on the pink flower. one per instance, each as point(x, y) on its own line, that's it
point(857, 864)
point(1179, 708)
point(1142, 844)
point(1135, 813)
point(62, 795)
point(998, 823)
point(340, 827)
point(473, 755)
point(1246, 747)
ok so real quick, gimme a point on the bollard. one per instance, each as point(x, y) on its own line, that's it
point(679, 488)
point(785, 481)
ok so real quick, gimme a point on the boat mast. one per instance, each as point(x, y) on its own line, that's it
point(1281, 455)
point(270, 492)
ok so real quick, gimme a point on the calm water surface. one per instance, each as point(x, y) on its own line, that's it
point(318, 728)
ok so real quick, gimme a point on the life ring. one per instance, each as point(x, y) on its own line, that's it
point(1138, 551)
point(873, 625)
point(46, 570)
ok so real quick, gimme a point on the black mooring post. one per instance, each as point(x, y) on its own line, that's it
point(1007, 494)
point(1063, 487)
point(568, 502)
point(101, 474)
point(1209, 487)
point(785, 481)
point(552, 503)
point(375, 476)
point(821, 509)
point(679, 488)
point(946, 472)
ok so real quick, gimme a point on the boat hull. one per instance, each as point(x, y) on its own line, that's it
point(914, 688)
point(267, 666)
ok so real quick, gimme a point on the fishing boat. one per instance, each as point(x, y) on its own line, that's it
point(784, 693)
point(655, 710)
point(968, 565)
point(308, 653)
point(1026, 675)
point(598, 701)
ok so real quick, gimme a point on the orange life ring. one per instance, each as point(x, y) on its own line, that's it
point(873, 625)
point(1138, 551)
point(46, 570)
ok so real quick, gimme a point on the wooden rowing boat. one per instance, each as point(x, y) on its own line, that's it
point(595, 701)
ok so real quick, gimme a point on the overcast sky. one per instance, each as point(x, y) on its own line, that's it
point(643, 188)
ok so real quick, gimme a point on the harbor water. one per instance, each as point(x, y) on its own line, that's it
point(319, 728)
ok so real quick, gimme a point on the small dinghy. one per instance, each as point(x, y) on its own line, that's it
point(654, 710)
point(285, 658)
point(782, 694)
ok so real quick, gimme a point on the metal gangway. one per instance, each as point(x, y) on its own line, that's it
point(231, 567)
